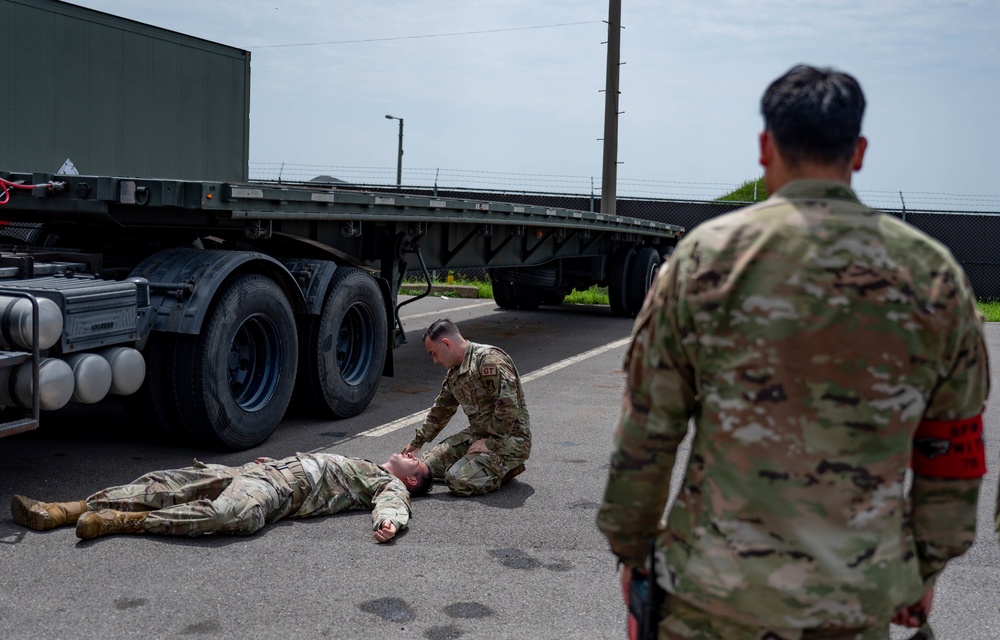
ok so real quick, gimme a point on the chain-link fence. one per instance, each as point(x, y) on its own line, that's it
point(468, 181)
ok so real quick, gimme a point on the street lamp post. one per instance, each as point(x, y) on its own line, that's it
point(399, 157)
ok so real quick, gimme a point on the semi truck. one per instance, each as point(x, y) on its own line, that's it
point(205, 301)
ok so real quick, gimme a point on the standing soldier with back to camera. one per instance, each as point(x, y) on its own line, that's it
point(818, 349)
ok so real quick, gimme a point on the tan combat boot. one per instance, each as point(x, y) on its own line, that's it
point(511, 474)
point(42, 516)
point(100, 523)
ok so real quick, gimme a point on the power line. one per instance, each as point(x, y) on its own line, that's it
point(431, 35)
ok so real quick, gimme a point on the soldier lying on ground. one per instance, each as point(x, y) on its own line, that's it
point(483, 380)
point(213, 498)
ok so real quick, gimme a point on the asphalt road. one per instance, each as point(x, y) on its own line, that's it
point(525, 562)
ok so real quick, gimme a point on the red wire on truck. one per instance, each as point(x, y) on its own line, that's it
point(6, 185)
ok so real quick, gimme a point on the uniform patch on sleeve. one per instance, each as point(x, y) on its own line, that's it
point(490, 374)
point(950, 448)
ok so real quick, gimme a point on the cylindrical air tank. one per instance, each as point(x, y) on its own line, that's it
point(55, 384)
point(15, 322)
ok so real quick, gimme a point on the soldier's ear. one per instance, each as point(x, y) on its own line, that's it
point(411, 482)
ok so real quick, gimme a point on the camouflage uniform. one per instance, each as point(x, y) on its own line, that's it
point(805, 338)
point(213, 498)
point(488, 388)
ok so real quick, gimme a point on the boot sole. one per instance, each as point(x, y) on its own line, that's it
point(89, 526)
point(20, 508)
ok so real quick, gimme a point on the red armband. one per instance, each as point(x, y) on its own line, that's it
point(950, 448)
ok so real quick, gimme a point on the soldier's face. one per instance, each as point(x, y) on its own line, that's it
point(404, 465)
point(443, 352)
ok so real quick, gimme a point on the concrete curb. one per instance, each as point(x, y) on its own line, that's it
point(450, 290)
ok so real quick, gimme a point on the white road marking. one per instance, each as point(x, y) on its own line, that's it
point(562, 364)
point(414, 418)
point(395, 425)
point(445, 312)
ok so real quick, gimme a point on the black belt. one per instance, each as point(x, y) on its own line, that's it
point(821, 633)
point(295, 476)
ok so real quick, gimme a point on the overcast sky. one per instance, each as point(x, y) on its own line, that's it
point(518, 107)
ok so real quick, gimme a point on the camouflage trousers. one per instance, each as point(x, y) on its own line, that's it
point(683, 621)
point(202, 499)
point(468, 474)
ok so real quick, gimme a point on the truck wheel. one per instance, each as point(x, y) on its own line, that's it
point(514, 295)
point(540, 277)
point(343, 349)
point(233, 381)
point(554, 297)
point(503, 291)
point(152, 406)
point(528, 297)
point(618, 280)
point(641, 277)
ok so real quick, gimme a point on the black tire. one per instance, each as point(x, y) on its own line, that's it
point(343, 349)
point(618, 280)
point(503, 293)
point(234, 380)
point(512, 295)
point(153, 405)
point(528, 298)
point(641, 276)
point(540, 277)
point(554, 297)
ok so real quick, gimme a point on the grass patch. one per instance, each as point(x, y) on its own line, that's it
point(593, 295)
point(485, 288)
point(990, 309)
point(749, 191)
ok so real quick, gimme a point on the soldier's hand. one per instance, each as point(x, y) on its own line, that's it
point(917, 613)
point(479, 446)
point(385, 532)
point(414, 451)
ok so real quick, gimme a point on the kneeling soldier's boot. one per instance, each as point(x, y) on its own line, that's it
point(100, 523)
point(42, 516)
point(513, 473)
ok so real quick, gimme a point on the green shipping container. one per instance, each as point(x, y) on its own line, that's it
point(119, 98)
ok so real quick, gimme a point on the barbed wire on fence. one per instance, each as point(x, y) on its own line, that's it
point(469, 179)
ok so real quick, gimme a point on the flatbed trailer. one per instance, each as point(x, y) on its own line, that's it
point(211, 306)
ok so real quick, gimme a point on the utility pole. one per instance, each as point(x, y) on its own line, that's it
point(609, 177)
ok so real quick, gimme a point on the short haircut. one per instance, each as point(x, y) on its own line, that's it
point(814, 115)
point(441, 329)
point(424, 483)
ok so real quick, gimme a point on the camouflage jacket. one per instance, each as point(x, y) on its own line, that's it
point(338, 483)
point(803, 339)
point(488, 388)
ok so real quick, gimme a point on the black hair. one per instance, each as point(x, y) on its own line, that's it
point(441, 329)
point(814, 115)
point(423, 484)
